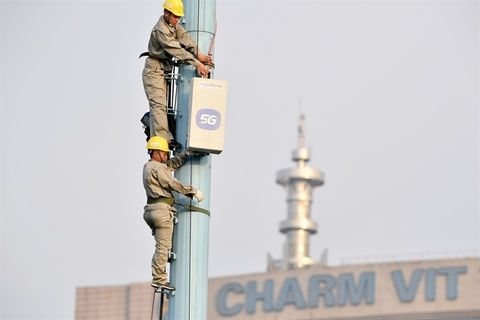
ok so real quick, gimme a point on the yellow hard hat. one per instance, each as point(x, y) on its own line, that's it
point(174, 6)
point(158, 143)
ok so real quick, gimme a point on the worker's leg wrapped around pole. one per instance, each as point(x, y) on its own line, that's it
point(159, 217)
point(154, 83)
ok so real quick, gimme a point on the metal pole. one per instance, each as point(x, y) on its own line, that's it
point(189, 272)
point(160, 313)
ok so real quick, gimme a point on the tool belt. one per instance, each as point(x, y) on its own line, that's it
point(169, 201)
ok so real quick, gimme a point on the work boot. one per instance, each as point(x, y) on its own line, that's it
point(167, 286)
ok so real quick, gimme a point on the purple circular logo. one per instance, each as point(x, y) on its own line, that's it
point(208, 119)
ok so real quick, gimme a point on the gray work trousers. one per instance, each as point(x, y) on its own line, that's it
point(159, 217)
point(155, 85)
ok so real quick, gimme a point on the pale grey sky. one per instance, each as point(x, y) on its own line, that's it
point(390, 95)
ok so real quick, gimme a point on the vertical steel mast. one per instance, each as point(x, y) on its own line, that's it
point(189, 272)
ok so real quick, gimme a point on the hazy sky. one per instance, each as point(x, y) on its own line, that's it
point(389, 91)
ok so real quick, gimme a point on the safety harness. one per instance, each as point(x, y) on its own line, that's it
point(171, 202)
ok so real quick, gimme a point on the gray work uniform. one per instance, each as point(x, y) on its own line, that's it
point(165, 42)
point(159, 182)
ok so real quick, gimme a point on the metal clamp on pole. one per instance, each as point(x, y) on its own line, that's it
point(172, 256)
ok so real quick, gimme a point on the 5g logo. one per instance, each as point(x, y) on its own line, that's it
point(208, 119)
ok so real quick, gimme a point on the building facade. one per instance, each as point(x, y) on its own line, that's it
point(296, 287)
point(431, 289)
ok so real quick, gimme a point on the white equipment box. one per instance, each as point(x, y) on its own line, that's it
point(206, 126)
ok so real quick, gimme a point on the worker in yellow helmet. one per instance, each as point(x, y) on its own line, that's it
point(158, 213)
point(168, 40)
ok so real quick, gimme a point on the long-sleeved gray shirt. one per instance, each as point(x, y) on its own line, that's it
point(159, 181)
point(167, 42)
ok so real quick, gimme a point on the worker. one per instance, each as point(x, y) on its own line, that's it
point(159, 211)
point(168, 40)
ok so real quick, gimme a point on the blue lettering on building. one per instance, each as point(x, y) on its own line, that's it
point(266, 296)
point(406, 292)
point(291, 293)
point(328, 291)
point(321, 287)
point(221, 301)
point(348, 291)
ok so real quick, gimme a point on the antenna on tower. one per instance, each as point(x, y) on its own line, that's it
point(301, 132)
point(301, 126)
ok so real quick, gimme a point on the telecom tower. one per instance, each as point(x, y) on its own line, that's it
point(299, 183)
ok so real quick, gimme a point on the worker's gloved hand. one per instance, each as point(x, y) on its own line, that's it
point(192, 153)
point(198, 196)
